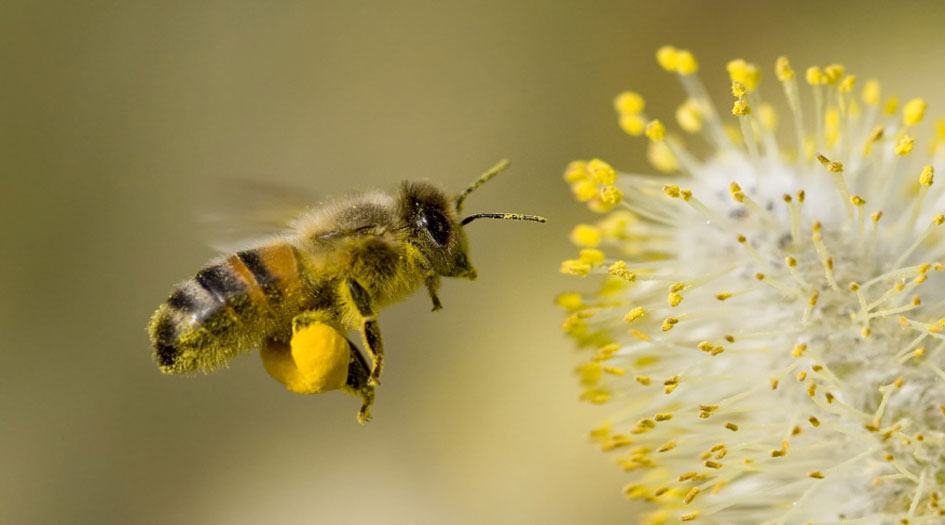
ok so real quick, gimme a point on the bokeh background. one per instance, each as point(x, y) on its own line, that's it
point(117, 119)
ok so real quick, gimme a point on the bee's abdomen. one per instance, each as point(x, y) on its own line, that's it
point(226, 308)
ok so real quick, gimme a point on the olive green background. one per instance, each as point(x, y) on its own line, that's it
point(117, 117)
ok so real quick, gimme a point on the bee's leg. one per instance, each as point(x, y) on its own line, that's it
point(357, 384)
point(370, 330)
point(433, 284)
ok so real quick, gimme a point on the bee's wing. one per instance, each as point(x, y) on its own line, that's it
point(237, 213)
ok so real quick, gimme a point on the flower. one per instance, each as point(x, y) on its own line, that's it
point(768, 327)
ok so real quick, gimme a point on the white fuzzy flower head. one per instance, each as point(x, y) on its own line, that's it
point(766, 328)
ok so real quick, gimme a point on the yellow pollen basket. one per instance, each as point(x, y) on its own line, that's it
point(316, 360)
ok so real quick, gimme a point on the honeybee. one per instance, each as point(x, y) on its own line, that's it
point(296, 297)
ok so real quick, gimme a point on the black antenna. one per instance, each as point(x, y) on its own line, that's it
point(484, 178)
point(503, 216)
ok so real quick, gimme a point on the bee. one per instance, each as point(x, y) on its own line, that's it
point(295, 297)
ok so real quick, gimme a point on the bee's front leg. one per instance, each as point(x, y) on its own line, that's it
point(370, 330)
point(433, 284)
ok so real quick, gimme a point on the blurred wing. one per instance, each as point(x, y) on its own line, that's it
point(236, 213)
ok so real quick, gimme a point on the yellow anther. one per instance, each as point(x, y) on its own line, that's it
point(584, 190)
point(744, 73)
point(601, 432)
point(782, 69)
point(877, 134)
point(619, 269)
point(768, 116)
point(729, 338)
point(643, 380)
point(736, 192)
point(668, 323)
point(689, 117)
point(576, 171)
point(689, 517)
point(790, 261)
point(811, 388)
point(601, 172)
point(632, 124)
point(661, 157)
point(731, 426)
point(814, 421)
point(892, 105)
point(913, 112)
point(591, 256)
point(674, 299)
point(569, 300)
point(575, 267)
point(832, 167)
point(904, 145)
point(739, 90)
point(899, 381)
point(857, 200)
point(816, 475)
point(876, 216)
point(814, 76)
point(691, 495)
point(589, 373)
point(655, 130)
point(778, 453)
point(686, 63)
point(847, 84)
point(833, 73)
point(741, 239)
point(723, 296)
point(611, 195)
point(799, 350)
point(871, 93)
point(634, 314)
point(666, 447)
point(672, 190)
point(801, 376)
point(774, 383)
point(741, 108)
point(938, 220)
point(629, 103)
point(927, 177)
point(585, 235)
point(666, 56)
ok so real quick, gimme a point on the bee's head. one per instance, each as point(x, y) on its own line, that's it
point(435, 229)
point(433, 219)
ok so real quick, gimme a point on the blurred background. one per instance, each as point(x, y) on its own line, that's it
point(116, 118)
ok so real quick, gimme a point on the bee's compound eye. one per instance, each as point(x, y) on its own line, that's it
point(437, 224)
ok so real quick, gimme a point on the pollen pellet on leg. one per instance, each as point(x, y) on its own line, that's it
point(315, 361)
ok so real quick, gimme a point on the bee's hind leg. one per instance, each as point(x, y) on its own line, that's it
point(370, 330)
point(358, 383)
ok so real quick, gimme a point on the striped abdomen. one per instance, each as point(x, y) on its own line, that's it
point(227, 308)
